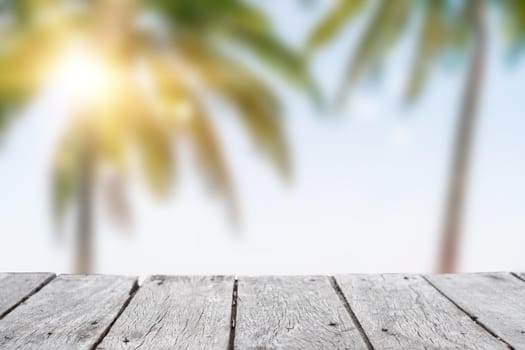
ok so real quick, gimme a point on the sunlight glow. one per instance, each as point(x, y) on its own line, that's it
point(86, 76)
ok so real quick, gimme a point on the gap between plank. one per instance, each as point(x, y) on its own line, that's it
point(132, 293)
point(233, 317)
point(357, 324)
point(472, 317)
point(33, 292)
point(517, 276)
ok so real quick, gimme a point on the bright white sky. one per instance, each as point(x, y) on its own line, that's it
point(366, 196)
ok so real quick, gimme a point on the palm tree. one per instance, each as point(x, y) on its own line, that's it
point(147, 71)
point(445, 26)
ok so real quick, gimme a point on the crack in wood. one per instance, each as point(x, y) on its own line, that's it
point(517, 276)
point(357, 324)
point(233, 317)
point(132, 293)
point(29, 295)
point(474, 318)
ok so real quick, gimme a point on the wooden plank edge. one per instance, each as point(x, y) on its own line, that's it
point(233, 314)
point(133, 291)
point(137, 285)
point(348, 308)
point(474, 318)
point(35, 290)
point(519, 275)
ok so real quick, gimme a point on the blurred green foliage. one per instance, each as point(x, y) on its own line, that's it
point(441, 30)
point(191, 38)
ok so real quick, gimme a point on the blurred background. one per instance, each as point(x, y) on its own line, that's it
point(261, 137)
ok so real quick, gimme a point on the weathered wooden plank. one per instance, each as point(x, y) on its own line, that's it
point(496, 300)
point(15, 287)
point(521, 275)
point(405, 312)
point(71, 312)
point(292, 313)
point(175, 313)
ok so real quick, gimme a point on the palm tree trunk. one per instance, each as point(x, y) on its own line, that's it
point(84, 238)
point(456, 192)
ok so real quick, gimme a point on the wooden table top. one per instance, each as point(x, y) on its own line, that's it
point(387, 311)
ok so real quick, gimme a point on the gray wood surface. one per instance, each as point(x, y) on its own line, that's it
point(393, 311)
point(521, 275)
point(175, 313)
point(496, 300)
point(15, 287)
point(405, 312)
point(292, 313)
point(71, 312)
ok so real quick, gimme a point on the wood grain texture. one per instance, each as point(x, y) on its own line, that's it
point(405, 312)
point(496, 300)
point(15, 287)
point(71, 312)
point(292, 313)
point(175, 313)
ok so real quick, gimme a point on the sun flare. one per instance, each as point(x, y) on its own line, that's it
point(86, 76)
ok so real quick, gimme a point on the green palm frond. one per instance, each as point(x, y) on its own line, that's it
point(342, 12)
point(4, 116)
point(430, 42)
point(156, 156)
point(201, 32)
point(240, 24)
point(64, 175)
point(194, 124)
point(27, 53)
point(207, 148)
point(255, 102)
point(381, 34)
point(275, 54)
point(512, 19)
point(444, 31)
point(195, 14)
point(21, 66)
